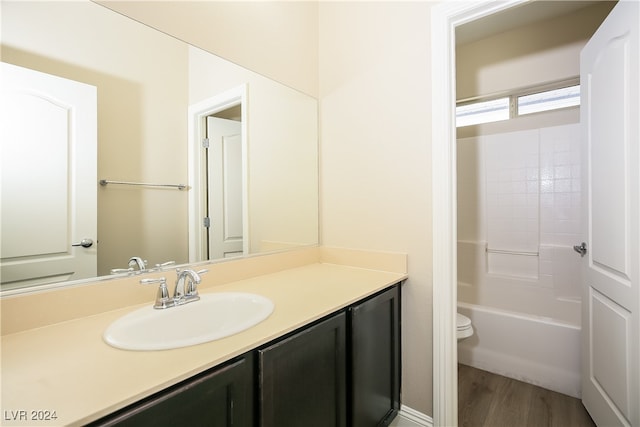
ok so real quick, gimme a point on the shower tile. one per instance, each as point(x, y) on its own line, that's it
point(560, 172)
point(574, 226)
point(547, 199)
point(565, 239)
point(576, 185)
point(562, 199)
point(563, 213)
point(519, 187)
point(566, 273)
point(504, 175)
point(547, 238)
point(530, 198)
point(519, 174)
point(561, 146)
point(576, 199)
point(575, 170)
point(562, 186)
point(520, 198)
point(546, 185)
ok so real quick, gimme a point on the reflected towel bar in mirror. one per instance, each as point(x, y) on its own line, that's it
point(145, 184)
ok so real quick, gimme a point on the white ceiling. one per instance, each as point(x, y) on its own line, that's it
point(516, 16)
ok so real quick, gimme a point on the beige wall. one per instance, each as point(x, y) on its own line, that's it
point(375, 154)
point(520, 57)
point(278, 39)
point(141, 77)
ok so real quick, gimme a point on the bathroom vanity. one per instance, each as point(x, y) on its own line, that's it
point(342, 370)
point(325, 355)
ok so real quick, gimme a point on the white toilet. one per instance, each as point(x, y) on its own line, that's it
point(463, 327)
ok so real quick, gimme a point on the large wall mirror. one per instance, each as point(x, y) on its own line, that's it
point(157, 99)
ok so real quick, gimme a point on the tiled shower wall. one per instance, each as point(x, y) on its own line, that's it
point(519, 214)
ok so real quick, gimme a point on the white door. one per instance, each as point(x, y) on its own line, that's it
point(225, 188)
point(610, 120)
point(48, 178)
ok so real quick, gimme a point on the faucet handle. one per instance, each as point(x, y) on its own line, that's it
point(121, 270)
point(192, 285)
point(159, 267)
point(163, 300)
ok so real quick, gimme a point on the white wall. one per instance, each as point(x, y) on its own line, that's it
point(375, 154)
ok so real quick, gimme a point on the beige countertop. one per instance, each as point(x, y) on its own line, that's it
point(66, 367)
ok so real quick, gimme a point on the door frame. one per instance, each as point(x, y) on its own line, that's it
point(445, 17)
point(197, 178)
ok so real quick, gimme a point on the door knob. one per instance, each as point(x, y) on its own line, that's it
point(85, 243)
point(581, 249)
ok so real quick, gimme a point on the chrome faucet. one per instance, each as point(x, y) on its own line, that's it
point(133, 262)
point(139, 262)
point(186, 289)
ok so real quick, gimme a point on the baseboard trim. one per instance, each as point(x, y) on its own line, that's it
point(415, 416)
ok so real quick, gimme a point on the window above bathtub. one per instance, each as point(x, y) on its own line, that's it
point(505, 106)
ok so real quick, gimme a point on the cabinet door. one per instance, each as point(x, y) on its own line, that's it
point(303, 377)
point(222, 397)
point(375, 359)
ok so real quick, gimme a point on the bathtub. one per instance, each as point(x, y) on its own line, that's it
point(534, 349)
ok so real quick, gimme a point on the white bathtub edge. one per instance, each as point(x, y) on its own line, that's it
point(505, 344)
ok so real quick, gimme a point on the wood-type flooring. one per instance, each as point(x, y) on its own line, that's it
point(486, 399)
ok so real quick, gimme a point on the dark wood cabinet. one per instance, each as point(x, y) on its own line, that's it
point(374, 327)
point(303, 377)
point(220, 397)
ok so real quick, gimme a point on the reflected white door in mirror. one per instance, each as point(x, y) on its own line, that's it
point(225, 188)
point(218, 219)
point(48, 177)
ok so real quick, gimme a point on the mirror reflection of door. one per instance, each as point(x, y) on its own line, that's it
point(224, 185)
point(48, 175)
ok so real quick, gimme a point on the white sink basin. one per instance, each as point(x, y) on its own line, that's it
point(214, 316)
